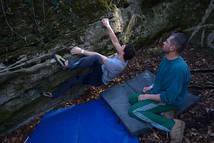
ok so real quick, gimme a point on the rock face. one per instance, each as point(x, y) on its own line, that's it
point(32, 31)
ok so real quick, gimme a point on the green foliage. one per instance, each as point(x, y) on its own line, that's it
point(90, 10)
point(42, 22)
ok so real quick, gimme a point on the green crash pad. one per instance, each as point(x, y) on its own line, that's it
point(117, 99)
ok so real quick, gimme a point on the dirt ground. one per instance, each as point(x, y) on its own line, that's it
point(199, 118)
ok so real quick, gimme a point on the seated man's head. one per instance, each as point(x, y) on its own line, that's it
point(129, 52)
point(175, 43)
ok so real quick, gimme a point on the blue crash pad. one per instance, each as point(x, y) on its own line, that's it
point(91, 122)
point(117, 98)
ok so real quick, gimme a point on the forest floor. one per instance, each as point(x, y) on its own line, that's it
point(199, 118)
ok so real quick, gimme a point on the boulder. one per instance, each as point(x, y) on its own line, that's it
point(31, 32)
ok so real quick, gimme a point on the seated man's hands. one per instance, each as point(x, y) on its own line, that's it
point(147, 89)
point(76, 50)
point(143, 97)
point(155, 97)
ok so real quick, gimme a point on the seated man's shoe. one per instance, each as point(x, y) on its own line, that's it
point(169, 114)
point(60, 60)
point(176, 134)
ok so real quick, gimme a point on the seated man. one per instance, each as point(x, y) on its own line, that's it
point(102, 69)
point(167, 92)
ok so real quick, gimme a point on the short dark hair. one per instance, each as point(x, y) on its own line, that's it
point(179, 40)
point(129, 52)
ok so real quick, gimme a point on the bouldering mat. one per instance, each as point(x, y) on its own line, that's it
point(117, 98)
point(91, 122)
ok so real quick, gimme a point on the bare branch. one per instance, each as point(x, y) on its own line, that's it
point(5, 18)
point(43, 8)
point(207, 13)
point(202, 70)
